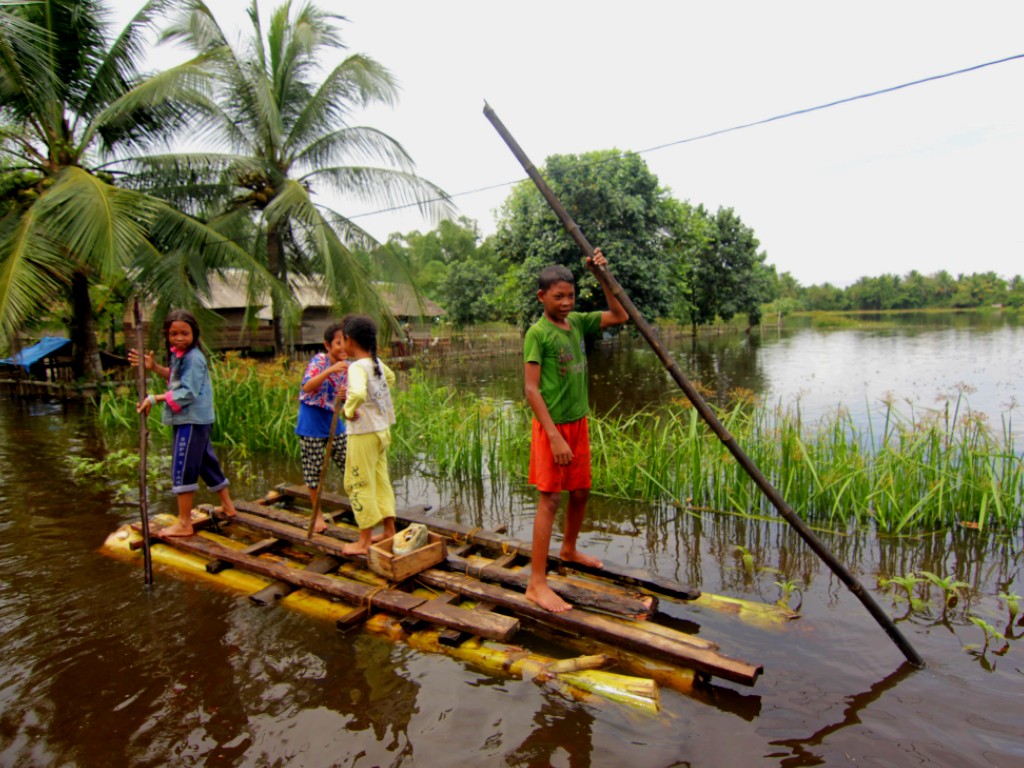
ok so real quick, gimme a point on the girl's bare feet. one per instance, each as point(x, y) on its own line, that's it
point(354, 549)
point(178, 529)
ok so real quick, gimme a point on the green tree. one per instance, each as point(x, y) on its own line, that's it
point(71, 98)
point(826, 298)
point(289, 133)
point(617, 203)
point(728, 275)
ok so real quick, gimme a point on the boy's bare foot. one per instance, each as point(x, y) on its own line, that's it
point(178, 529)
point(354, 549)
point(319, 526)
point(546, 598)
point(578, 557)
point(227, 511)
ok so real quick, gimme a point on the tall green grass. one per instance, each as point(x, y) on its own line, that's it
point(914, 474)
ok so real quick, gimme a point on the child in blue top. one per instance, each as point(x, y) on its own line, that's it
point(323, 386)
point(188, 408)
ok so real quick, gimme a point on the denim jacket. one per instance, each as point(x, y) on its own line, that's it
point(189, 393)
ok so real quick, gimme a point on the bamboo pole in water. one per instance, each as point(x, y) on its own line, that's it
point(140, 344)
point(702, 407)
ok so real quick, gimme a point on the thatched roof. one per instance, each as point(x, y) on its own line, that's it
point(228, 291)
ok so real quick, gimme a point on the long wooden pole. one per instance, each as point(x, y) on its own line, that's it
point(140, 344)
point(328, 452)
point(702, 407)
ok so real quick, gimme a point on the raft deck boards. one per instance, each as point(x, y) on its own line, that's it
point(642, 637)
point(623, 603)
point(490, 625)
point(638, 577)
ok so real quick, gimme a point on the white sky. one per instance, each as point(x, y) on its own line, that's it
point(928, 178)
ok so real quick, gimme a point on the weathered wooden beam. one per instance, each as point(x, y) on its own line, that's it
point(490, 625)
point(452, 638)
point(576, 592)
point(272, 592)
point(257, 548)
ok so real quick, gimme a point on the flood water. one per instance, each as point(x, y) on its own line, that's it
point(96, 670)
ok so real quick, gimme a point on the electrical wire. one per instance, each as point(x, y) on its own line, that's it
point(742, 126)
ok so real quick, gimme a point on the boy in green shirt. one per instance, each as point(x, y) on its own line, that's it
point(556, 389)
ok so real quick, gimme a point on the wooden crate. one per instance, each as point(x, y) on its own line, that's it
point(383, 561)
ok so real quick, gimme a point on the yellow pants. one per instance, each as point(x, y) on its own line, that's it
point(367, 481)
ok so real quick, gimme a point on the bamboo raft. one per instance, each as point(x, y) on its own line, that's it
point(469, 606)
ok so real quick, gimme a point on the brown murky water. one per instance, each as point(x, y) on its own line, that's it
point(97, 671)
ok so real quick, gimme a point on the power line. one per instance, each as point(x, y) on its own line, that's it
point(742, 126)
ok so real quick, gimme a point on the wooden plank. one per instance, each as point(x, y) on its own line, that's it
point(273, 592)
point(576, 592)
point(356, 616)
point(451, 637)
point(491, 625)
point(679, 649)
point(411, 625)
point(257, 548)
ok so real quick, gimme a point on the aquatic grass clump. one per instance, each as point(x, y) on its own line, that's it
point(914, 473)
point(460, 436)
point(256, 405)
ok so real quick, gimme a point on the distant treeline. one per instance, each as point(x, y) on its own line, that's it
point(912, 291)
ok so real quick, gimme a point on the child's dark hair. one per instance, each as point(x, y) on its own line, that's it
point(182, 316)
point(363, 331)
point(556, 273)
point(332, 331)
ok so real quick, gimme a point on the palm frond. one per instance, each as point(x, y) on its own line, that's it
point(118, 67)
point(387, 188)
point(98, 225)
point(33, 269)
point(359, 144)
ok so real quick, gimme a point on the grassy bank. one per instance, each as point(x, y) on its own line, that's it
point(912, 474)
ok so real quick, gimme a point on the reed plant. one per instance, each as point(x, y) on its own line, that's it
point(912, 473)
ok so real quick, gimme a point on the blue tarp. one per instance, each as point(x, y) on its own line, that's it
point(46, 346)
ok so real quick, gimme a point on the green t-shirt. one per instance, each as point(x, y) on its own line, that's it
point(563, 363)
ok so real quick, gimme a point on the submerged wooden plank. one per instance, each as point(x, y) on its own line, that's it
point(395, 601)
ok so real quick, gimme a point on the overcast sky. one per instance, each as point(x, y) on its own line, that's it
point(929, 177)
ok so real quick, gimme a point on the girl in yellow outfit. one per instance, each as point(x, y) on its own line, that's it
point(369, 414)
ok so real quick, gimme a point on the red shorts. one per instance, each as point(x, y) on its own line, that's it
point(550, 477)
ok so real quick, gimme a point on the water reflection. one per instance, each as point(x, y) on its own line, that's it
point(547, 744)
point(801, 752)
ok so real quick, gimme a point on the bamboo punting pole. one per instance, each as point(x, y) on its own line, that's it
point(702, 407)
point(140, 343)
point(328, 451)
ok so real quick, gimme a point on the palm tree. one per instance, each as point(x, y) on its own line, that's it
point(288, 134)
point(70, 98)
